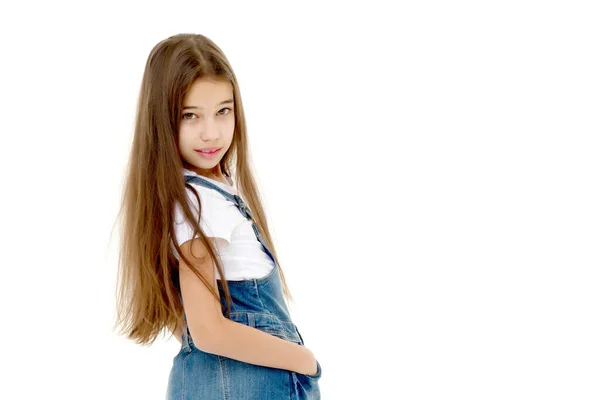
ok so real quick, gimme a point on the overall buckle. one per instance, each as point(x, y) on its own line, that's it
point(244, 208)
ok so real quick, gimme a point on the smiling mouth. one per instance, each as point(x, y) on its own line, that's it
point(208, 152)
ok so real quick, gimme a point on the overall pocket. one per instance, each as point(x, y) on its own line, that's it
point(270, 324)
point(313, 378)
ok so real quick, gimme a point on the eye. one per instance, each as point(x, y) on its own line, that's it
point(226, 108)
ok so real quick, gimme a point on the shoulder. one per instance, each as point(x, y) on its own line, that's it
point(205, 195)
point(203, 191)
point(207, 200)
point(217, 218)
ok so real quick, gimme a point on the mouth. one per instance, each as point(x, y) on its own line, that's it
point(211, 149)
point(208, 152)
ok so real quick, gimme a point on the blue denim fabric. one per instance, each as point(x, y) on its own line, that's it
point(258, 303)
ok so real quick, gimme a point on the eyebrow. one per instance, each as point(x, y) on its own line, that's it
point(230, 101)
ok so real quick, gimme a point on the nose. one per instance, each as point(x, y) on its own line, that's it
point(209, 130)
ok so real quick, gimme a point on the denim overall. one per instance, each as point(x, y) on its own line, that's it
point(258, 303)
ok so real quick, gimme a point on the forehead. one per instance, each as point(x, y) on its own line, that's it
point(208, 91)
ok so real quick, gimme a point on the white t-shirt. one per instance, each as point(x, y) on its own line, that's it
point(242, 255)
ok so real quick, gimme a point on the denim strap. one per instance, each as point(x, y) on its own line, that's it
point(237, 200)
point(243, 208)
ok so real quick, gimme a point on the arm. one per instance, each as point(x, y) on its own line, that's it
point(251, 345)
point(213, 333)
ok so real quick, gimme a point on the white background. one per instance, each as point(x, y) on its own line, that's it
point(430, 172)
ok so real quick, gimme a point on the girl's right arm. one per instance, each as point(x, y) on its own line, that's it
point(251, 345)
point(213, 333)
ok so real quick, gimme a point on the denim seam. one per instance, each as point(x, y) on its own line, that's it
point(258, 294)
point(183, 377)
point(294, 378)
point(224, 385)
point(258, 313)
point(282, 335)
point(291, 384)
point(277, 332)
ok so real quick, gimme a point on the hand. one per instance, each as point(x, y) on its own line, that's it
point(316, 369)
point(310, 363)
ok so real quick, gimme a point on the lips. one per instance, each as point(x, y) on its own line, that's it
point(209, 149)
point(208, 156)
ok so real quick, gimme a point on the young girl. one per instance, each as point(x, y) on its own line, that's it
point(196, 255)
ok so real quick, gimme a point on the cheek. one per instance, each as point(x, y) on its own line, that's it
point(230, 129)
point(183, 138)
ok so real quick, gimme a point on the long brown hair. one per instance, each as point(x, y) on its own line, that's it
point(147, 296)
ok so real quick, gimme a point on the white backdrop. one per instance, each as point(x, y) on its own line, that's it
point(430, 172)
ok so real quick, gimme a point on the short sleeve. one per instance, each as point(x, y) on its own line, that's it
point(215, 221)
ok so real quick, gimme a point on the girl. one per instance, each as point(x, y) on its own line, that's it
point(195, 257)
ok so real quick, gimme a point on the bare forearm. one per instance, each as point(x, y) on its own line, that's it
point(251, 345)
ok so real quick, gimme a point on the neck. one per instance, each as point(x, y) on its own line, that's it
point(214, 173)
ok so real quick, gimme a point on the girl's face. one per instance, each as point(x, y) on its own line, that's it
point(207, 121)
